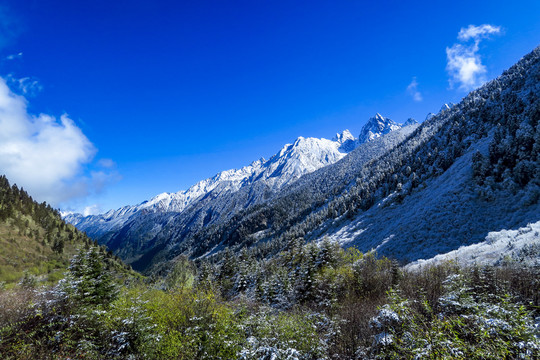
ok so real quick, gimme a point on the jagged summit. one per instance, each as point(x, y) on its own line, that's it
point(292, 161)
point(377, 126)
point(444, 107)
point(410, 121)
point(343, 137)
point(347, 141)
point(379, 117)
point(429, 116)
point(259, 162)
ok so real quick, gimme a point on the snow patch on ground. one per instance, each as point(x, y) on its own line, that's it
point(342, 236)
point(505, 246)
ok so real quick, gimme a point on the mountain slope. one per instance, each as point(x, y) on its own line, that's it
point(133, 230)
point(290, 163)
point(412, 193)
point(505, 247)
point(471, 169)
point(155, 237)
point(34, 239)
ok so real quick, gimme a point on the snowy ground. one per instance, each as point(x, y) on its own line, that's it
point(521, 245)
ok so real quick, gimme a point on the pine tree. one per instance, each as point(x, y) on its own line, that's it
point(87, 281)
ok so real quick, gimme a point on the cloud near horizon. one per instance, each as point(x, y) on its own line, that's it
point(91, 210)
point(45, 155)
point(464, 64)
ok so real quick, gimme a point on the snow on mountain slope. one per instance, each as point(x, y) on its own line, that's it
point(438, 216)
point(500, 247)
point(474, 171)
point(169, 218)
point(147, 239)
point(467, 171)
point(303, 156)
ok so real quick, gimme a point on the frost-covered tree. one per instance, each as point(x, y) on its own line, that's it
point(87, 281)
point(463, 325)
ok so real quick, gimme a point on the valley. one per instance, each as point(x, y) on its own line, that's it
point(406, 240)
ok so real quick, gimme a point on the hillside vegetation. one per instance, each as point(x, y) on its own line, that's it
point(309, 302)
point(36, 244)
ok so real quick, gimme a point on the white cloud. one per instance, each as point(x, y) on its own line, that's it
point(107, 163)
point(27, 86)
point(91, 210)
point(14, 56)
point(412, 89)
point(45, 155)
point(464, 64)
point(478, 32)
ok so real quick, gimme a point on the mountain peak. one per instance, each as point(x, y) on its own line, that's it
point(380, 120)
point(410, 121)
point(429, 116)
point(346, 140)
point(343, 137)
point(258, 163)
point(377, 126)
point(444, 107)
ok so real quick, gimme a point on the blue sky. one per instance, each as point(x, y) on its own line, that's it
point(156, 95)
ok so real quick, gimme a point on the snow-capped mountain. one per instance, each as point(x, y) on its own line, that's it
point(464, 173)
point(303, 156)
point(185, 232)
point(292, 161)
point(252, 184)
point(410, 121)
point(409, 192)
point(377, 126)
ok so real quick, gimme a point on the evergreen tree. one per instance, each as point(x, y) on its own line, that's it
point(87, 281)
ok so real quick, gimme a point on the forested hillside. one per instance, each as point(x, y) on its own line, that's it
point(36, 244)
point(471, 169)
point(410, 193)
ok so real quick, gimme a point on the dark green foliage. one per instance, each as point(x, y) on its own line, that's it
point(88, 282)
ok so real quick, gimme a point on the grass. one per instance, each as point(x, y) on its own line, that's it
point(22, 251)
